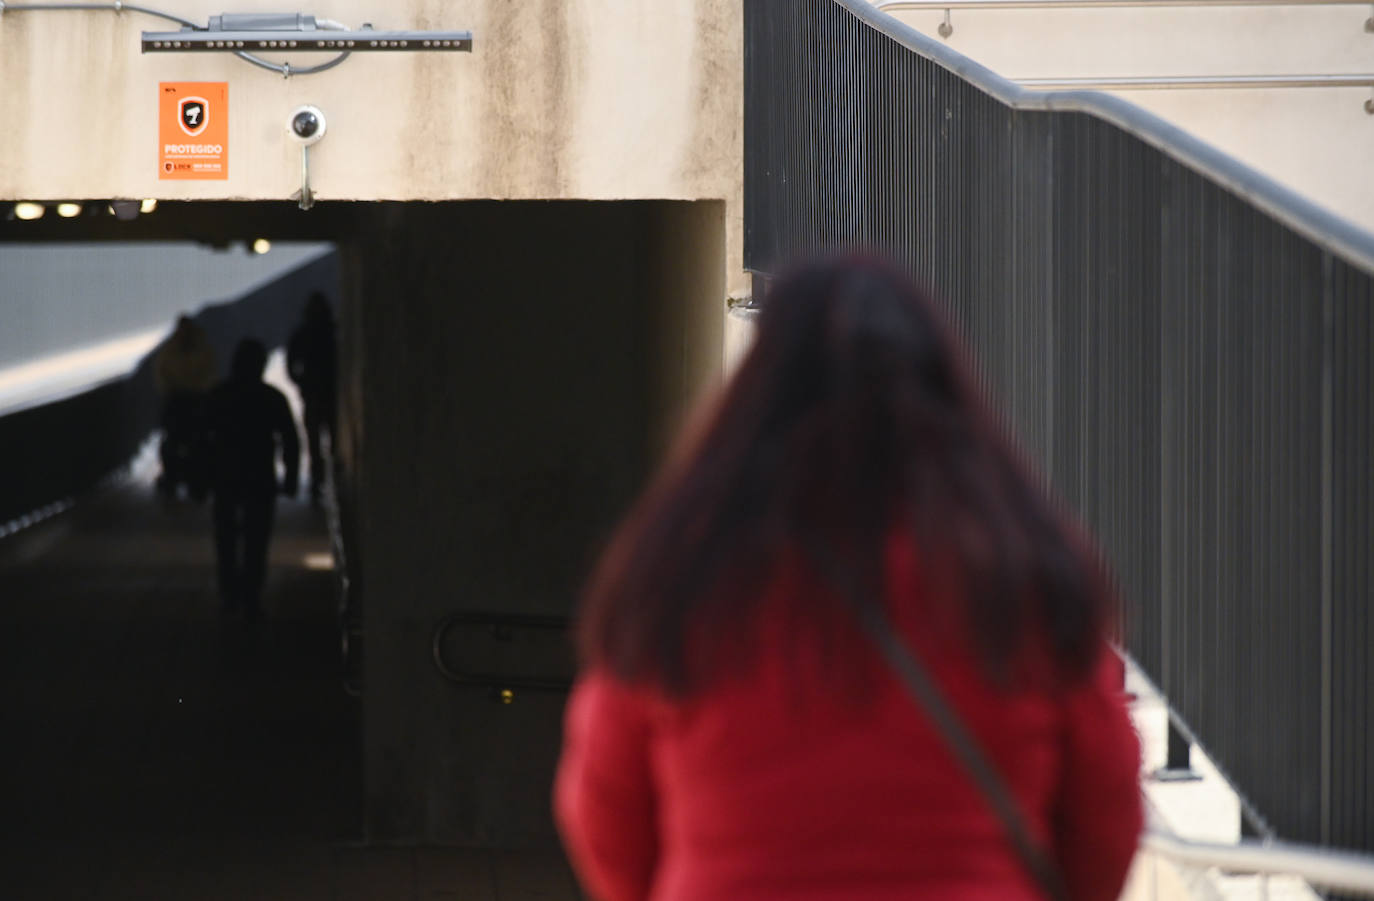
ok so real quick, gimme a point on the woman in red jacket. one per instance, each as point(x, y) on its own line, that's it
point(736, 734)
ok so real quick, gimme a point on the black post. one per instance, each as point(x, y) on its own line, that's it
point(1178, 764)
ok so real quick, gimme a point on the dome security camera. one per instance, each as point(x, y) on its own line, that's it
point(306, 125)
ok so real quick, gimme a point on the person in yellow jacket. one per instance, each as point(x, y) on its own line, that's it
point(185, 369)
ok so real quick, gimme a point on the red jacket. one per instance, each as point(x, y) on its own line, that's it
point(784, 785)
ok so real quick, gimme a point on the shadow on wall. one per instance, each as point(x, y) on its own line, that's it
point(65, 448)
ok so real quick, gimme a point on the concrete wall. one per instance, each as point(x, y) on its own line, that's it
point(512, 370)
point(1316, 141)
point(560, 99)
point(682, 247)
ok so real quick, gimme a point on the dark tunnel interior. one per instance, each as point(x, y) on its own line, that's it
point(508, 373)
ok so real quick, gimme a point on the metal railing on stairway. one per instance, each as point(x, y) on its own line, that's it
point(919, 5)
point(947, 26)
point(1181, 342)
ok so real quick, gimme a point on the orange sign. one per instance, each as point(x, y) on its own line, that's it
point(193, 129)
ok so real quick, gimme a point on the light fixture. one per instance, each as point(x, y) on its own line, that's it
point(68, 210)
point(253, 32)
point(261, 246)
point(247, 34)
point(318, 561)
point(29, 211)
point(147, 206)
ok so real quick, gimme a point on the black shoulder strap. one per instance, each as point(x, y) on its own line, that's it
point(966, 749)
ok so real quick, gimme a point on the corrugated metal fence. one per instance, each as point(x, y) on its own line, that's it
point(1187, 354)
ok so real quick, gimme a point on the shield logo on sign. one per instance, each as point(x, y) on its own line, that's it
point(193, 113)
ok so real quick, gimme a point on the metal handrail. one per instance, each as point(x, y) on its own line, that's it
point(1323, 228)
point(1340, 870)
point(1197, 82)
point(915, 5)
point(496, 621)
point(947, 27)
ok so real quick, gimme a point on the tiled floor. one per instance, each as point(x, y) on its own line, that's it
point(150, 749)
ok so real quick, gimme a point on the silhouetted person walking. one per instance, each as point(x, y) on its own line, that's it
point(310, 359)
point(185, 369)
point(250, 423)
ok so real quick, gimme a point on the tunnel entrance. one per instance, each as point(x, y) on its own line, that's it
point(516, 370)
point(509, 374)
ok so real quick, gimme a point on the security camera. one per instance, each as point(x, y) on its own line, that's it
point(306, 125)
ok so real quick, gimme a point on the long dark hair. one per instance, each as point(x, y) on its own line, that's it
point(853, 415)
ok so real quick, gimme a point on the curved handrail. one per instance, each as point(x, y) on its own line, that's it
point(914, 5)
point(1199, 82)
point(496, 621)
point(1341, 870)
point(1320, 226)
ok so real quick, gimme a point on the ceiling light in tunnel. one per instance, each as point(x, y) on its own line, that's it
point(318, 561)
point(68, 210)
point(28, 211)
point(261, 245)
point(147, 206)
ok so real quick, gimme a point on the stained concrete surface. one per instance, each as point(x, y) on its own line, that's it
point(152, 749)
point(496, 420)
